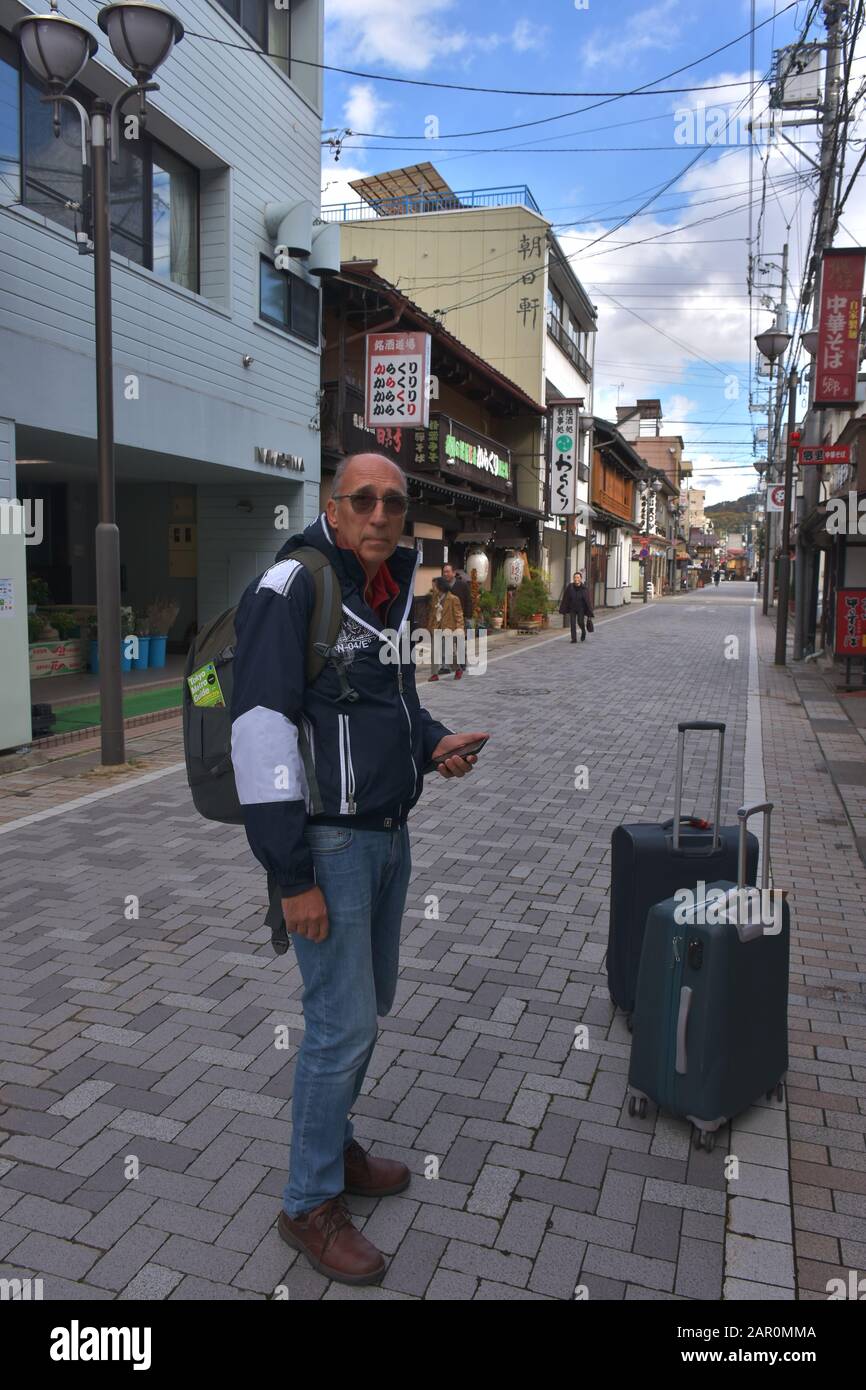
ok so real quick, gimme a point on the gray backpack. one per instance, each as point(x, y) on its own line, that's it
point(207, 708)
point(208, 684)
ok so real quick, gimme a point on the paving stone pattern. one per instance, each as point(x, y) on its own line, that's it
point(145, 1045)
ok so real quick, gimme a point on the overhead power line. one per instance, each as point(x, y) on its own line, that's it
point(646, 89)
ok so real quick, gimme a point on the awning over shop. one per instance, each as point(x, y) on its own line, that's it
point(470, 501)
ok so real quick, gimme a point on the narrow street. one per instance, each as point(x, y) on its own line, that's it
point(148, 1033)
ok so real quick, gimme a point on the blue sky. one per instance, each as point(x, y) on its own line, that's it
point(670, 285)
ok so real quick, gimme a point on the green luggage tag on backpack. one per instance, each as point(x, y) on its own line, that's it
point(204, 686)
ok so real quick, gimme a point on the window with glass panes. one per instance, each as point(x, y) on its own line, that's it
point(554, 306)
point(10, 124)
point(268, 23)
point(154, 193)
point(288, 301)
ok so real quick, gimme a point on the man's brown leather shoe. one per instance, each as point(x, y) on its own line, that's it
point(366, 1176)
point(332, 1244)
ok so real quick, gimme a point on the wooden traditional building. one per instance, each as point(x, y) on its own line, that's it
point(463, 467)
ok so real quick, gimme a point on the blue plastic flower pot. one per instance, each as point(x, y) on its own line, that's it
point(140, 663)
point(125, 661)
point(157, 652)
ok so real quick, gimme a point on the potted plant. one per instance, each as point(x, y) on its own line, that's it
point(487, 607)
point(38, 593)
point(141, 654)
point(35, 626)
point(127, 631)
point(65, 623)
point(161, 614)
point(526, 603)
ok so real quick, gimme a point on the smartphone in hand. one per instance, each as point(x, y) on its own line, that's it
point(474, 747)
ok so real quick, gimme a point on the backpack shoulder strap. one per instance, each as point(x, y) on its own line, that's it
point(327, 607)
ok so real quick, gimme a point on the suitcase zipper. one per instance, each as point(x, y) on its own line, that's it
point(675, 985)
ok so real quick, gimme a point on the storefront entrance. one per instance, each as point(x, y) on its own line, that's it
point(598, 574)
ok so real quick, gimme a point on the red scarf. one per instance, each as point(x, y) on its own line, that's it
point(380, 590)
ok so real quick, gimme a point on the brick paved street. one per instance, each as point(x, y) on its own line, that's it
point(149, 1043)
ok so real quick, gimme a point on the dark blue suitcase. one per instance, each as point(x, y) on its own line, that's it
point(648, 863)
point(710, 1024)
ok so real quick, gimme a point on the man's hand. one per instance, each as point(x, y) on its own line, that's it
point(307, 914)
point(456, 766)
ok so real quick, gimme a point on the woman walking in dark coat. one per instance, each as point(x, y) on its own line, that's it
point(576, 603)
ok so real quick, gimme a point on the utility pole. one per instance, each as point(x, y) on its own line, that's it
point(806, 575)
point(784, 558)
point(774, 423)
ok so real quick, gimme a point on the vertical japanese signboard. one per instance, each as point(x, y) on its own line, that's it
point(398, 367)
point(564, 436)
point(851, 622)
point(840, 306)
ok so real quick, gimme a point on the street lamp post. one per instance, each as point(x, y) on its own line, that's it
point(772, 343)
point(57, 50)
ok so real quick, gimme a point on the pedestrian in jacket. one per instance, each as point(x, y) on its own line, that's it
point(445, 616)
point(576, 603)
point(458, 584)
point(325, 784)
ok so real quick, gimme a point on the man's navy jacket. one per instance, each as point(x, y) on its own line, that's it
point(300, 751)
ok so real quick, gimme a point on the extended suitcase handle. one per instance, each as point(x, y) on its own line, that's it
point(682, 728)
point(744, 815)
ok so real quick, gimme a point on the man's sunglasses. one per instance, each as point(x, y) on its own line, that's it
point(395, 503)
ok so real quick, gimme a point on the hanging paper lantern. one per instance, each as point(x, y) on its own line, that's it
point(478, 562)
point(513, 568)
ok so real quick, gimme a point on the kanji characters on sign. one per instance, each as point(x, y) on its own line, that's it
point(398, 366)
point(838, 357)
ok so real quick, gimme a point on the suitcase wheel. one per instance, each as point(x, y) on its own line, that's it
point(639, 1106)
point(778, 1091)
point(632, 1104)
point(704, 1139)
point(641, 1109)
point(628, 1023)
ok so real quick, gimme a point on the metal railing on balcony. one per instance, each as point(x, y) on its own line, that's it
point(410, 204)
point(566, 343)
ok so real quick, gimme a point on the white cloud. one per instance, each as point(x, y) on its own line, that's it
point(406, 34)
point(364, 109)
point(527, 35)
point(647, 30)
point(335, 182)
point(411, 35)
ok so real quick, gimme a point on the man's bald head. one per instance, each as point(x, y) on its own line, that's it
point(374, 534)
point(346, 465)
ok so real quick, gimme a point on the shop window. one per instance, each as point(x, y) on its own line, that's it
point(10, 123)
point(267, 25)
point(288, 302)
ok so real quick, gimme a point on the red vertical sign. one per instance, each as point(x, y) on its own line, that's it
point(840, 304)
point(851, 622)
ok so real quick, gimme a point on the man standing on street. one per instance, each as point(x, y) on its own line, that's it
point(460, 588)
point(576, 603)
point(326, 776)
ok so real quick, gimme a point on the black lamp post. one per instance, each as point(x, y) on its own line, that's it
point(57, 49)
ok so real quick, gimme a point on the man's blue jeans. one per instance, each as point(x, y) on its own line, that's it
point(350, 979)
